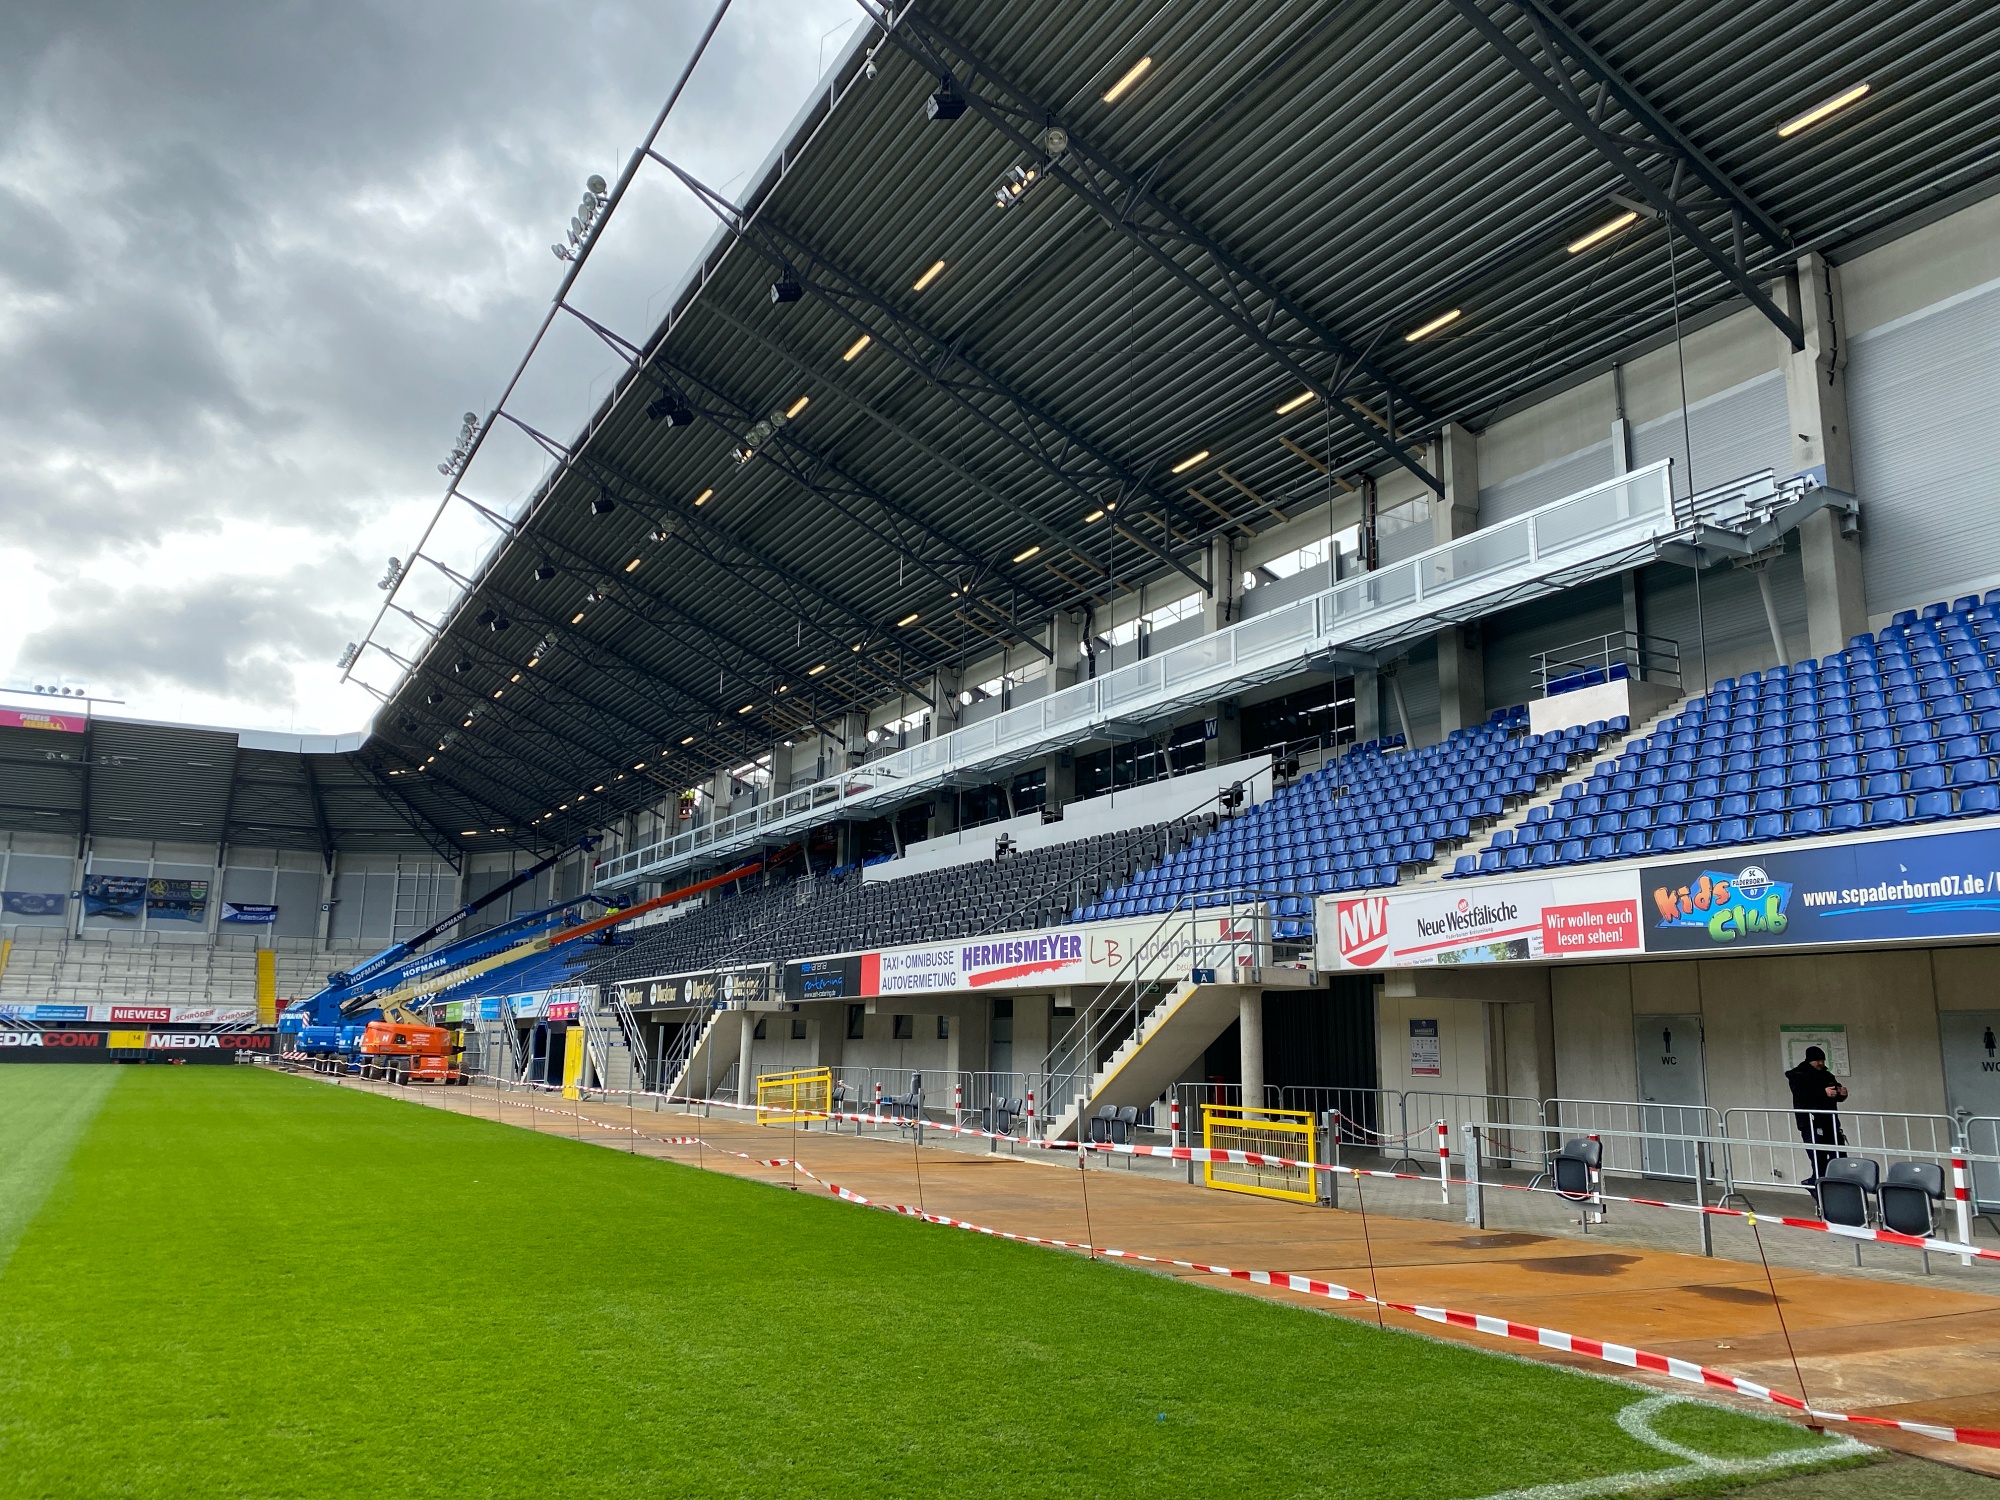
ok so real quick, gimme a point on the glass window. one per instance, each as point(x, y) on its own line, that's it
point(857, 1017)
point(903, 1028)
point(798, 1028)
point(758, 1033)
point(944, 1028)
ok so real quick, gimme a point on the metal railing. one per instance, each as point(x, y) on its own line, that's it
point(1596, 530)
point(1615, 655)
point(1766, 1150)
point(1644, 1140)
point(1982, 1143)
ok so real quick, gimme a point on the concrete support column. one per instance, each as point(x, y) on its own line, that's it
point(1228, 742)
point(1224, 603)
point(1066, 646)
point(1250, 1026)
point(1816, 397)
point(1455, 513)
point(1059, 779)
point(944, 811)
point(1367, 705)
point(944, 693)
point(746, 1074)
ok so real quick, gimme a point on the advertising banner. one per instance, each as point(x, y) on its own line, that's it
point(39, 718)
point(73, 1046)
point(1880, 890)
point(121, 896)
point(562, 1010)
point(160, 1013)
point(249, 911)
point(1488, 921)
point(33, 903)
point(177, 900)
point(61, 1012)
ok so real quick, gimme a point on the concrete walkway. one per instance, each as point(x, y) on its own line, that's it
point(1889, 1343)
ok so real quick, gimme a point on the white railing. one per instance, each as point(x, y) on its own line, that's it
point(1566, 542)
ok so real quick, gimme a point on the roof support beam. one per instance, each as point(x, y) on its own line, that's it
point(1271, 320)
point(1563, 55)
point(319, 812)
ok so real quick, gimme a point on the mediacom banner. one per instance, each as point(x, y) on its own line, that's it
point(1488, 921)
point(1882, 890)
point(130, 1046)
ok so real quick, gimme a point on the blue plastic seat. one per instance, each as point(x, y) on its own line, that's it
point(1697, 835)
point(1844, 815)
point(1732, 830)
point(1888, 810)
point(1663, 840)
point(1603, 846)
point(1630, 844)
point(1934, 805)
point(1979, 799)
point(1518, 857)
point(1572, 852)
point(1807, 820)
point(1927, 778)
point(1769, 800)
point(1767, 826)
point(1736, 805)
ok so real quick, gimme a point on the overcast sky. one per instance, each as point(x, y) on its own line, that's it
point(256, 260)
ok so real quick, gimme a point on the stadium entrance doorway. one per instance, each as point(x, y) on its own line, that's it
point(546, 1045)
point(1671, 1092)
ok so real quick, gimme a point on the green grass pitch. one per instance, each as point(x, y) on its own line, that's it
point(235, 1283)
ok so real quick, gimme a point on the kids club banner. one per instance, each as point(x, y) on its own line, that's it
point(1880, 890)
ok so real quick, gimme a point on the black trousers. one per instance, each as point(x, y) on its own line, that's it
point(1820, 1128)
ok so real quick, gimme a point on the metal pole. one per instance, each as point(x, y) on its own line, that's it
point(1701, 1198)
point(1475, 1201)
point(1444, 1163)
point(1961, 1194)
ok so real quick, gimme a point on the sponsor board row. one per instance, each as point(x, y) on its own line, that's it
point(115, 1045)
point(1922, 888)
point(157, 1015)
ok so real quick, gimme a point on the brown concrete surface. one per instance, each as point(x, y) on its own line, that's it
point(1864, 1346)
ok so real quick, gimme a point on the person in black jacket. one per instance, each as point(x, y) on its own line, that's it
point(1816, 1095)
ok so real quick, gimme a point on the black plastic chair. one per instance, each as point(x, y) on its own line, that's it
point(1574, 1167)
point(1100, 1125)
point(1845, 1185)
point(1908, 1197)
point(1123, 1127)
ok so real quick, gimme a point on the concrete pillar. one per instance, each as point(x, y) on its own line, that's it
point(1066, 646)
point(1367, 705)
point(1059, 779)
point(1227, 745)
point(746, 1074)
point(1455, 513)
point(1816, 397)
point(1250, 1026)
point(944, 811)
point(1224, 603)
point(945, 684)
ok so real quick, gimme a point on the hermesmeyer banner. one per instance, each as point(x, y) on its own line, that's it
point(1482, 921)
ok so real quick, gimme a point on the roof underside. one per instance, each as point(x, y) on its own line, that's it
point(1288, 191)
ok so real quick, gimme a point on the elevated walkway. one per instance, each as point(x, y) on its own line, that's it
point(1623, 523)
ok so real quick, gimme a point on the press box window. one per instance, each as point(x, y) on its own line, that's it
point(759, 1032)
point(798, 1028)
point(857, 1016)
point(904, 1029)
point(944, 1028)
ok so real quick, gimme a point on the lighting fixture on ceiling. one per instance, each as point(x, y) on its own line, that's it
point(816, 670)
point(434, 697)
point(907, 620)
point(936, 270)
point(874, 736)
point(796, 407)
point(1442, 320)
point(1093, 518)
point(945, 103)
point(688, 741)
point(544, 572)
point(515, 678)
point(966, 698)
point(746, 708)
point(1126, 79)
point(633, 565)
point(857, 346)
point(1021, 557)
point(577, 618)
point(462, 665)
point(1189, 462)
point(603, 505)
point(1603, 232)
point(786, 289)
point(1014, 184)
point(670, 407)
point(1303, 398)
point(1820, 111)
point(640, 766)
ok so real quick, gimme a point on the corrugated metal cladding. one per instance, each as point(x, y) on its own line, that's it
point(1734, 432)
point(1927, 451)
point(1547, 482)
point(1366, 166)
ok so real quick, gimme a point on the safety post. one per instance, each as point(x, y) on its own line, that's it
point(1475, 1203)
point(1329, 1124)
point(1031, 1114)
point(1961, 1195)
point(1701, 1198)
point(1444, 1163)
point(1174, 1121)
point(1597, 1182)
point(878, 1097)
point(958, 1102)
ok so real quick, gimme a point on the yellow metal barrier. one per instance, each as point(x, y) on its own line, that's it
point(267, 987)
point(803, 1094)
point(1268, 1132)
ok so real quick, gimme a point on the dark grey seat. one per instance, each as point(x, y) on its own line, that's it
point(1101, 1123)
point(1908, 1197)
point(1574, 1167)
point(1845, 1186)
point(1123, 1127)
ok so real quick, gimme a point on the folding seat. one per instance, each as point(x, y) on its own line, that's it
point(1518, 858)
point(1879, 760)
point(1844, 815)
point(1770, 739)
point(1805, 770)
point(1869, 719)
point(1767, 826)
point(1807, 820)
point(1602, 846)
point(1663, 840)
point(1928, 778)
point(1769, 778)
point(1631, 843)
point(1732, 830)
point(1978, 799)
point(1639, 818)
point(1804, 794)
point(1769, 800)
point(1739, 744)
point(1888, 810)
point(1705, 786)
point(1733, 805)
point(1697, 835)
point(1974, 771)
point(1708, 765)
point(1936, 611)
point(1934, 804)
point(1921, 754)
point(1770, 756)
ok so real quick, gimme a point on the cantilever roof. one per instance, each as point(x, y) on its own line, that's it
point(1287, 192)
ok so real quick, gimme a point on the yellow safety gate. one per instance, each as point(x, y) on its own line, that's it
point(1268, 1132)
point(803, 1094)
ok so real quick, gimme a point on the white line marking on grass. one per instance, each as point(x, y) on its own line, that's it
point(1637, 1422)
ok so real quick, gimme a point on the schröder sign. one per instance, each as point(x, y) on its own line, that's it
point(1487, 921)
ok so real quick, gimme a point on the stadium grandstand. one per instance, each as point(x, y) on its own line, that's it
point(1246, 499)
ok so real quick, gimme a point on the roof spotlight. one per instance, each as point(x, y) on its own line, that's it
point(786, 289)
point(946, 104)
point(670, 407)
point(462, 665)
point(544, 572)
point(434, 697)
point(603, 505)
point(499, 623)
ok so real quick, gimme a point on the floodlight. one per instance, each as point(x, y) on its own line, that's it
point(946, 104)
point(786, 289)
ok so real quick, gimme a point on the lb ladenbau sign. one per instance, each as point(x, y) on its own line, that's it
point(1904, 888)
